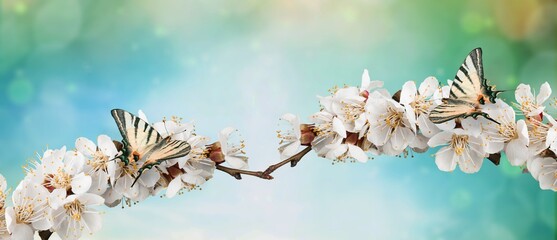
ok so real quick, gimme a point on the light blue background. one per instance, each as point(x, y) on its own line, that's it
point(64, 64)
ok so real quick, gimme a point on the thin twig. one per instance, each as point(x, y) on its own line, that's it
point(292, 160)
point(237, 173)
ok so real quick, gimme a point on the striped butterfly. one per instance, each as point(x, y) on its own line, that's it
point(142, 143)
point(468, 92)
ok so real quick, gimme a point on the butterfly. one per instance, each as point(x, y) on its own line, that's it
point(468, 92)
point(142, 143)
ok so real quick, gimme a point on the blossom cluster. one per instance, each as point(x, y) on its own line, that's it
point(62, 188)
point(356, 122)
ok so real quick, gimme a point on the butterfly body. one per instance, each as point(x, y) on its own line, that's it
point(142, 144)
point(468, 93)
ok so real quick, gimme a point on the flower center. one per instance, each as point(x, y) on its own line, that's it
point(394, 118)
point(99, 161)
point(421, 105)
point(2, 200)
point(508, 130)
point(23, 213)
point(59, 180)
point(459, 143)
point(74, 209)
point(198, 154)
point(537, 132)
point(528, 106)
point(3, 226)
point(353, 110)
point(323, 129)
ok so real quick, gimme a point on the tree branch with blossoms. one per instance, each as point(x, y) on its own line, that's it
point(63, 188)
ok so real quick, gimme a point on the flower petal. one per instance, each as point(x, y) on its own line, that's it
point(237, 161)
point(56, 198)
point(523, 93)
point(544, 94)
point(107, 146)
point(90, 199)
point(81, 183)
point(22, 232)
point(42, 223)
point(517, 152)
point(149, 177)
point(338, 127)
point(93, 221)
point(444, 159)
point(429, 86)
point(357, 153)
point(408, 93)
point(440, 139)
point(173, 187)
point(366, 81)
point(85, 146)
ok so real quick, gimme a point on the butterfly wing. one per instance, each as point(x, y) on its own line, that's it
point(469, 90)
point(451, 109)
point(469, 79)
point(137, 133)
point(164, 150)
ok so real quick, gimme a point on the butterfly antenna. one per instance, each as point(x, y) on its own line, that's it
point(165, 128)
point(137, 178)
point(491, 119)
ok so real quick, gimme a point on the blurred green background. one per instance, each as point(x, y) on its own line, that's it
point(64, 64)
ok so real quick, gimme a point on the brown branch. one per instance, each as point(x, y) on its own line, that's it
point(292, 160)
point(237, 173)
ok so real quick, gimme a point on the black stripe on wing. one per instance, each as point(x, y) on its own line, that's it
point(449, 110)
point(119, 116)
point(476, 56)
point(142, 134)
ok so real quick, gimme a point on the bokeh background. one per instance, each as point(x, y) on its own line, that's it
point(64, 64)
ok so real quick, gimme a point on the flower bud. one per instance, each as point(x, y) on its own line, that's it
point(215, 153)
point(307, 135)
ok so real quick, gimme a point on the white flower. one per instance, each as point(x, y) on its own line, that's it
point(348, 103)
point(342, 151)
point(4, 234)
point(30, 211)
point(545, 171)
point(368, 85)
point(175, 129)
point(540, 134)
point(418, 103)
point(3, 188)
point(328, 129)
point(232, 152)
point(191, 176)
point(194, 171)
point(73, 214)
point(389, 126)
point(508, 135)
point(59, 169)
point(290, 141)
point(99, 161)
point(551, 138)
point(125, 177)
point(528, 105)
point(465, 150)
